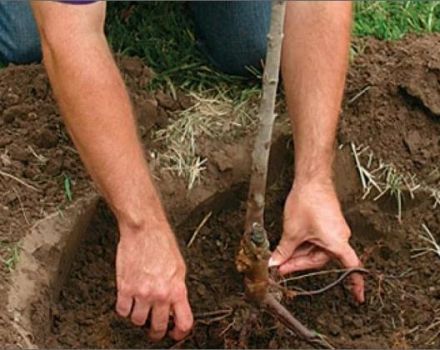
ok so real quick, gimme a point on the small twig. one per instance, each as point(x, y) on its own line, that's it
point(20, 181)
point(358, 165)
point(286, 318)
point(21, 205)
point(214, 319)
point(359, 94)
point(41, 158)
point(212, 313)
point(434, 324)
point(434, 337)
point(197, 230)
point(227, 328)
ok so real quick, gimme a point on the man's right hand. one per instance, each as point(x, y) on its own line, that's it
point(150, 274)
point(98, 115)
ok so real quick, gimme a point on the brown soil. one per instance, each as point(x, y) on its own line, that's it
point(397, 117)
point(37, 156)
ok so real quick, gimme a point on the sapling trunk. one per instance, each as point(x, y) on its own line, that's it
point(254, 253)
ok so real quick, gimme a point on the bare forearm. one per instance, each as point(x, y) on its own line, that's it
point(314, 64)
point(98, 114)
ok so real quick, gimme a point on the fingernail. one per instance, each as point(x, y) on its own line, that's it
point(272, 262)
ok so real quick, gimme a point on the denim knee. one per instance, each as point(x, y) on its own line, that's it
point(233, 34)
point(19, 38)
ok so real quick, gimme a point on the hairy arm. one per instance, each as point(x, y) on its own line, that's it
point(95, 105)
point(98, 115)
point(314, 65)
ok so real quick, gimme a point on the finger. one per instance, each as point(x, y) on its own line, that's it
point(183, 320)
point(124, 305)
point(347, 256)
point(140, 312)
point(159, 321)
point(284, 250)
point(315, 260)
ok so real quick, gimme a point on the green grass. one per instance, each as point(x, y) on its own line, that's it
point(9, 255)
point(161, 33)
point(391, 20)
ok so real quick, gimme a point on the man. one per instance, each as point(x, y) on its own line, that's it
point(150, 271)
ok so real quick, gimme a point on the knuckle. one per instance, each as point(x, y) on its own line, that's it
point(124, 290)
point(346, 233)
point(144, 292)
point(161, 294)
point(181, 292)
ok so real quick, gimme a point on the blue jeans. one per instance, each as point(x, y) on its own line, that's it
point(231, 33)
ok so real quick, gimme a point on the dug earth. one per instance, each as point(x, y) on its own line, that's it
point(391, 116)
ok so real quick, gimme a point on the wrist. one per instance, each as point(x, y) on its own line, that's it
point(315, 183)
point(139, 209)
point(323, 178)
point(314, 167)
point(146, 218)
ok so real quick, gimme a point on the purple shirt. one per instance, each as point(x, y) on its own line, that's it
point(77, 2)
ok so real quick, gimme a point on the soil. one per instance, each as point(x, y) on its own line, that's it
point(397, 117)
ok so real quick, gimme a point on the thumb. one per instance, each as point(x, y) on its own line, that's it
point(283, 251)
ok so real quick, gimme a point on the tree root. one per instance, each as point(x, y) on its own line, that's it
point(331, 285)
point(277, 310)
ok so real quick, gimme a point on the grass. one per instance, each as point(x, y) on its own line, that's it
point(391, 20)
point(9, 255)
point(379, 178)
point(213, 115)
point(432, 246)
point(162, 34)
point(67, 184)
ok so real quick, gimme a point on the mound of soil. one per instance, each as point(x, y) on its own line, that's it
point(393, 102)
point(391, 105)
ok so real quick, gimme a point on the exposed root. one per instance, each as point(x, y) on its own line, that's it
point(334, 283)
point(288, 320)
point(212, 316)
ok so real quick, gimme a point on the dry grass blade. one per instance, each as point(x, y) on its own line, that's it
point(20, 181)
point(433, 245)
point(197, 230)
point(213, 115)
point(386, 179)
